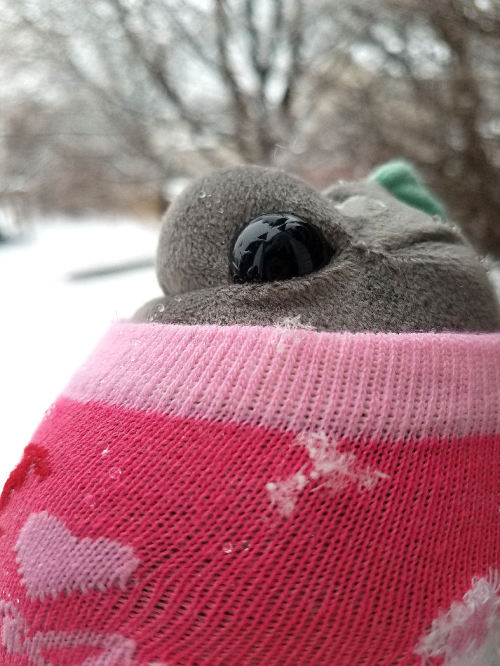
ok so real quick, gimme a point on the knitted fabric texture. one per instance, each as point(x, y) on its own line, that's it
point(241, 496)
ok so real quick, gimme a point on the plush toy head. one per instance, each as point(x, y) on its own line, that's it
point(384, 265)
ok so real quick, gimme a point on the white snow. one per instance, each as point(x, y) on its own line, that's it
point(333, 469)
point(49, 324)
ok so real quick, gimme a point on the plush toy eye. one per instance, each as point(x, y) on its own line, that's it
point(278, 246)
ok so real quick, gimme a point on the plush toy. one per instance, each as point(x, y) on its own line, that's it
point(291, 458)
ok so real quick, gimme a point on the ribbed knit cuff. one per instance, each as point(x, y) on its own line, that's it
point(362, 385)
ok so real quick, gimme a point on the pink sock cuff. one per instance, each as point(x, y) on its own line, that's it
point(363, 385)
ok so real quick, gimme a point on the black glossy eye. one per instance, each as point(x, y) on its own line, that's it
point(278, 246)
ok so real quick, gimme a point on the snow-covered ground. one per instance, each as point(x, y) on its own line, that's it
point(49, 323)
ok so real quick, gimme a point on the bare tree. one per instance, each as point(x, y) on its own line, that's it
point(230, 72)
point(150, 88)
point(429, 89)
point(137, 84)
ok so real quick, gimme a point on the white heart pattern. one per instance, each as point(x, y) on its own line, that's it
point(51, 560)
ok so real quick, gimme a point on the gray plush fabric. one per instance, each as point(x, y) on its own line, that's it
point(394, 268)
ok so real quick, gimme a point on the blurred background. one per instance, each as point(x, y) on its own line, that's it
point(109, 107)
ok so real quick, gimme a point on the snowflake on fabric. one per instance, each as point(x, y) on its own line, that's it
point(332, 468)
